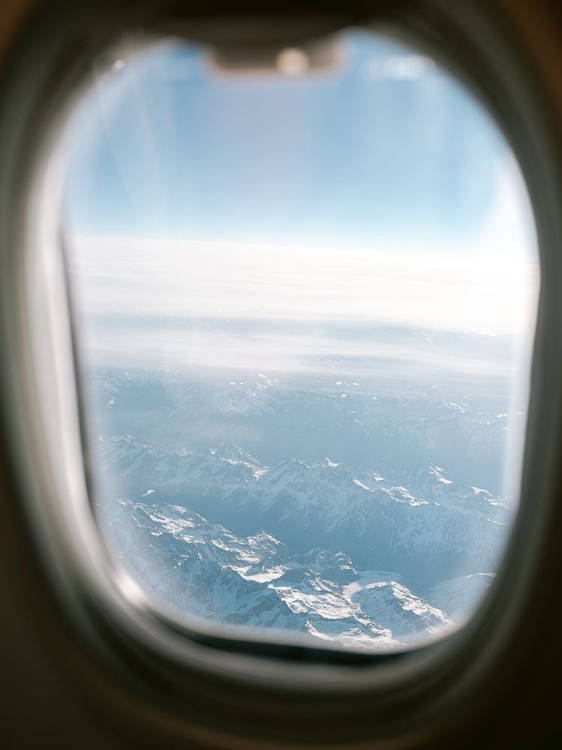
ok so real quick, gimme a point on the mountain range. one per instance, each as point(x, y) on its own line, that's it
point(377, 552)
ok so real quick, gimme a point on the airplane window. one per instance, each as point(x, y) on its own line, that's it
point(304, 292)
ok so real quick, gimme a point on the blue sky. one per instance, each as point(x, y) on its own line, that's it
point(372, 152)
point(379, 193)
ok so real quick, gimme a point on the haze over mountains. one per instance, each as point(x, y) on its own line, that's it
point(305, 331)
point(279, 446)
point(306, 440)
point(221, 498)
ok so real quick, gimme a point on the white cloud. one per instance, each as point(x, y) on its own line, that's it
point(183, 280)
point(165, 302)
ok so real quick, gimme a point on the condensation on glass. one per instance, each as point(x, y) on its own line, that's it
point(305, 292)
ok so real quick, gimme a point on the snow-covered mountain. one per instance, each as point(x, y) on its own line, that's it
point(356, 424)
point(457, 596)
point(258, 582)
point(429, 536)
point(221, 500)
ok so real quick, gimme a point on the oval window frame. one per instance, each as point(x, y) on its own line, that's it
point(108, 623)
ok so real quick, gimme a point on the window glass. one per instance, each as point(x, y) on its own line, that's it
point(305, 295)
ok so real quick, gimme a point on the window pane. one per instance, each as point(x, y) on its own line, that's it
point(305, 296)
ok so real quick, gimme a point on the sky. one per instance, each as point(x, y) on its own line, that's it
point(376, 191)
point(385, 145)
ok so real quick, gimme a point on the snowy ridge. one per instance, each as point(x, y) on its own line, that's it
point(352, 423)
point(258, 582)
point(336, 509)
point(445, 530)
